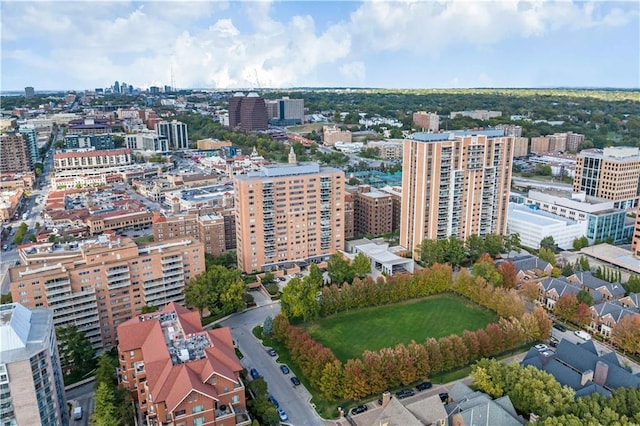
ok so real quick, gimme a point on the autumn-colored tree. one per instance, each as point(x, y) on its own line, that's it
point(331, 382)
point(484, 342)
point(280, 326)
point(470, 340)
point(355, 384)
point(485, 268)
point(435, 357)
point(566, 305)
point(373, 369)
point(405, 362)
point(625, 334)
point(530, 290)
point(582, 316)
point(420, 359)
point(508, 272)
point(544, 322)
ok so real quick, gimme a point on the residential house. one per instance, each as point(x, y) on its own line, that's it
point(428, 411)
point(551, 289)
point(605, 315)
point(586, 280)
point(470, 407)
point(581, 367)
point(531, 269)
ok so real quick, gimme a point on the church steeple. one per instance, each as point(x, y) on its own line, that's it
point(292, 157)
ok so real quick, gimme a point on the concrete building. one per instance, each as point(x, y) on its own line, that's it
point(520, 147)
point(211, 144)
point(14, 154)
point(178, 373)
point(372, 211)
point(10, 200)
point(539, 145)
point(396, 200)
point(573, 141)
point(510, 130)
point(30, 135)
point(455, 183)
point(332, 134)
point(175, 132)
point(349, 225)
point(390, 149)
point(287, 213)
point(97, 284)
point(89, 126)
point(30, 373)
point(635, 242)
point(215, 230)
point(248, 113)
point(533, 225)
point(611, 173)
point(98, 142)
point(29, 92)
point(285, 111)
point(604, 220)
point(479, 114)
point(147, 141)
point(427, 121)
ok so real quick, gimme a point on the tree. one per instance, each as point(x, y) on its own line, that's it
point(511, 242)
point(106, 371)
point(76, 350)
point(583, 264)
point(339, 270)
point(509, 274)
point(632, 285)
point(105, 409)
point(548, 256)
point(331, 380)
point(567, 269)
point(454, 252)
point(196, 293)
point(147, 309)
point(218, 289)
point(475, 247)
point(300, 300)
point(267, 279)
point(485, 268)
point(566, 306)
point(580, 243)
point(361, 265)
point(6, 298)
point(582, 316)
point(585, 297)
point(548, 243)
point(315, 276)
point(493, 244)
point(267, 326)
point(625, 334)
point(232, 296)
point(431, 251)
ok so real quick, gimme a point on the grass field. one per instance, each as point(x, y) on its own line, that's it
point(349, 334)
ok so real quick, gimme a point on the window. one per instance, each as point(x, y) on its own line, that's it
point(198, 408)
point(181, 413)
point(198, 422)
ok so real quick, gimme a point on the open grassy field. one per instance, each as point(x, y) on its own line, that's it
point(349, 334)
point(306, 128)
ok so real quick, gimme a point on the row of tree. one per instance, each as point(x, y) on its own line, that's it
point(574, 307)
point(535, 391)
point(404, 364)
point(113, 404)
point(456, 252)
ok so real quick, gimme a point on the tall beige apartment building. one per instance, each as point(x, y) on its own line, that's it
point(99, 283)
point(428, 121)
point(611, 173)
point(539, 145)
point(520, 146)
point(288, 213)
point(455, 183)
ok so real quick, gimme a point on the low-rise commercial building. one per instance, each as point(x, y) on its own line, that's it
point(333, 134)
point(533, 225)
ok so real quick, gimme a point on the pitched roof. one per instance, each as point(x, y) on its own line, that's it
point(479, 409)
point(614, 309)
point(530, 264)
point(587, 279)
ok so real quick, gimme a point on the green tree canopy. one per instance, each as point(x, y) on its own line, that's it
point(299, 299)
point(361, 265)
point(219, 289)
point(76, 350)
point(339, 270)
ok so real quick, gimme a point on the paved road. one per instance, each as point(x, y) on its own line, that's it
point(293, 399)
point(82, 396)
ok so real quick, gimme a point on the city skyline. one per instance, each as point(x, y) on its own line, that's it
point(394, 44)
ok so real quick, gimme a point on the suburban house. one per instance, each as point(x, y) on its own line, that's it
point(605, 315)
point(581, 367)
point(178, 373)
point(429, 411)
point(551, 289)
point(586, 280)
point(470, 407)
point(531, 269)
point(631, 301)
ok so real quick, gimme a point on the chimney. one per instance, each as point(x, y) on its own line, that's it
point(386, 397)
point(457, 420)
point(602, 371)
point(587, 376)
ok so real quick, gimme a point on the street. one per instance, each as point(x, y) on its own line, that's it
point(295, 400)
point(82, 396)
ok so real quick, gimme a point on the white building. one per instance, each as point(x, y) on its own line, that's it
point(31, 383)
point(533, 225)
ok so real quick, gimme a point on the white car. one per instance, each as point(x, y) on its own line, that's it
point(541, 348)
point(583, 335)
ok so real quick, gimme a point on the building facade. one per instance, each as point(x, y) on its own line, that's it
point(287, 213)
point(99, 142)
point(248, 113)
point(333, 134)
point(14, 154)
point(427, 121)
point(520, 146)
point(635, 241)
point(455, 184)
point(31, 382)
point(372, 211)
point(178, 373)
point(91, 160)
point(285, 111)
point(30, 135)
point(611, 173)
point(539, 145)
point(215, 231)
point(100, 283)
point(175, 132)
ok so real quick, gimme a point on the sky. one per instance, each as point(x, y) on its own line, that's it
point(54, 45)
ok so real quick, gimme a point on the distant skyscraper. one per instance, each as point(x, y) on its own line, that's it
point(31, 382)
point(611, 173)
point(29, 92)
point(175, 132)
point(167, 89)
point(454, 183)
point(249, 113)
point(116, 87)
point(154, 90)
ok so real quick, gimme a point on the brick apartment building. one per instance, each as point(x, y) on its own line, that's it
point(100, 283)
point(372, 211)
point(179, 374)
point(14, 153)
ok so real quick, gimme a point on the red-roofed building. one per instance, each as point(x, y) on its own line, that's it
point(178, 373)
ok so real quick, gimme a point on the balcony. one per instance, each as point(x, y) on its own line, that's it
point(117, 271)
point(172, 259)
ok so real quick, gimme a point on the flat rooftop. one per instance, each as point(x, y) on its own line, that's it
point(444, 136)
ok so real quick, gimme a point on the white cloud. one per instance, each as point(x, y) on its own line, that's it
point(354, 72)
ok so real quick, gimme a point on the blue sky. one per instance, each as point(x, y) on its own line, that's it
point(389, 44)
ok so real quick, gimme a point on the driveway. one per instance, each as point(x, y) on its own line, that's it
point(84, 397)
point(295, 400)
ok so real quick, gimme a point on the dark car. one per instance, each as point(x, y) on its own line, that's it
point(284, 369)
point(254, 373)
point(405, 393)
point(271, 352)
point(559, 327)
point(295, 381)
point(358, 410)
point(273, 401)
point(424, 386)
point(444, 396)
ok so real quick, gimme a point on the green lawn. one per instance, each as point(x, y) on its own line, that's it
point(349, 334)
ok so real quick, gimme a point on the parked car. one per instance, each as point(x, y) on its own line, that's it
point(254, 373)
point(273, 401)
point(424, 386)
point(359, 409)
point(295, 381)
point(283, 416)
point(559, 327)
point(541, 348)
point(444, 396)
point(583, 335)
point(284, 369)
point(553, 342)
point(405, 393)
point(271, 352)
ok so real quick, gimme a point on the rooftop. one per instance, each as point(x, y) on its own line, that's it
point(23, 332)
point(436, 137)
